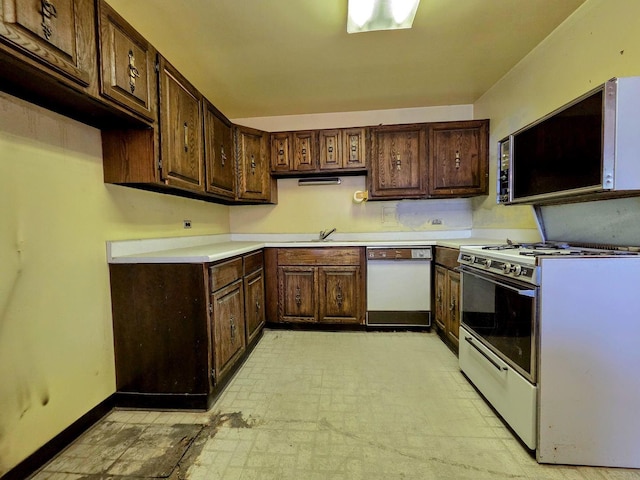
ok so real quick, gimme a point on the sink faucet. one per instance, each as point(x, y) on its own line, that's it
point(324, 234)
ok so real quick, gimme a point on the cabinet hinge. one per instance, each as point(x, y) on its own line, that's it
point(211, 308)
point(213, 375)
point(159, 164)
point(157, 67)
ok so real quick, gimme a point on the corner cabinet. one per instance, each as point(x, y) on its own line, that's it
point(458, 158)
point(181, 330)
point(398, 162)
point(316, 285)
point(447, 295)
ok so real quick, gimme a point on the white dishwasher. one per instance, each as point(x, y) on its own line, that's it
point(399, 286)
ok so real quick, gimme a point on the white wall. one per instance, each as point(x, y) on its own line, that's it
point(599, 41)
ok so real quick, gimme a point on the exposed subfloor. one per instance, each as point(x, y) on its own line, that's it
point(322, 405)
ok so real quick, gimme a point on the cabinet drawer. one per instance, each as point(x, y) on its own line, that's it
point(447, 257)
point(224, 273)
point(319, 256)
point(252, 262)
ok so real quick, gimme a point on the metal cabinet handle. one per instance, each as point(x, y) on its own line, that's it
point(398, 163)
point(339, 297)
point(233, 328)
point(223, 156)
point(186, 136)
point(133, 71)
point(48, 11)
point(298, 297)
point(457, 159)
point(253, 165)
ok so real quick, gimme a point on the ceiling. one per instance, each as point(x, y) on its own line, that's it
point(256, 58)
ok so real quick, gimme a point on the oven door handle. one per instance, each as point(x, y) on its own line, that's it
point(501, 368)
point(523, 292)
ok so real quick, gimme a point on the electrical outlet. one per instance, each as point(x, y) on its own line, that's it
point(436, 221)
point(186, 223)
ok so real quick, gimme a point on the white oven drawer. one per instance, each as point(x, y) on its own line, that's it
point(505, 389)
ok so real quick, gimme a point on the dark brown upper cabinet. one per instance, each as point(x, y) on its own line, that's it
point(181, 143)
point(304, 151)
point(342, 149)
point(127, 65)
point(398, 162)
point(354, 150)
point(58, 34)
point(330, 149)
point(281, 144)
point(312, 152)
point(220, 162)
point(255, 184)
point(458, 154)
point(294, 151)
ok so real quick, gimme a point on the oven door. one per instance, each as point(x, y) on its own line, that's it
point(501, 314)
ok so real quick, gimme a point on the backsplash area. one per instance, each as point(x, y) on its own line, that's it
point(304, 209)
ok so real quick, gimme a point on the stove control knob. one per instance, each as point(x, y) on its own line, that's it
point(506, 268)
point(472, 259)
point(489, 262)
point(517, 270)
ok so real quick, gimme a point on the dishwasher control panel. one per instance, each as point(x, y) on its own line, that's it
point(399, 253)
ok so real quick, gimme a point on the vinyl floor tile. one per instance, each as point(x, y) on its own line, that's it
point(322, 406)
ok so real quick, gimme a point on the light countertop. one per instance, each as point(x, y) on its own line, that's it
point(212, 248)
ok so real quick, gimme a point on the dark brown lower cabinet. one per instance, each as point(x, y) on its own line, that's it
point(254, 304)
point(228, 327)
point(447, 295)
point(181, 330)
point(317, 285)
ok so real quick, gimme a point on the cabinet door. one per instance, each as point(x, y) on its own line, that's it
point(458, 156)
point(254, 304)
point(339, 295)
point(228, 327)
point(304, 151)
point(281, 152)
point(330, 149)
point(181, 130)
point(56, 33)
point(297, 294)
point(399, 162)
point(354, 153)
point(254, 179)
point(454, 307)
point(441, 297)
point(127, 64)
point(218, 153)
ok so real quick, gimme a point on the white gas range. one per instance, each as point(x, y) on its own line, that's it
point(519, 260)
point(548, 336)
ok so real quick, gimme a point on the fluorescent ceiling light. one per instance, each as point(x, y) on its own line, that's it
point(368, 15)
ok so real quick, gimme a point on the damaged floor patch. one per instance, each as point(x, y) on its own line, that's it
point(122, 451)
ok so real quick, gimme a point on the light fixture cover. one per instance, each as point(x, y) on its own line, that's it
point(369, 15)
point(319, 181)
